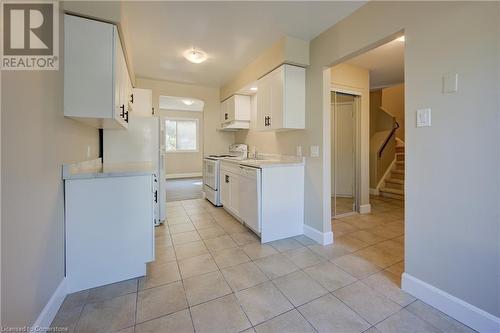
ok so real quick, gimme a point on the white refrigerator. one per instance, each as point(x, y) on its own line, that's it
point(142, 145)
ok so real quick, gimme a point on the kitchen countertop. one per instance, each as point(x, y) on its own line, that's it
point(95, 169)
point(266, 163)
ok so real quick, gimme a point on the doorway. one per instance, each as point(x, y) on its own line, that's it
point(344, 129)
point(366, 97)
point(182, 136)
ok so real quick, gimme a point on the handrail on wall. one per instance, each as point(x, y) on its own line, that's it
point(395, 126)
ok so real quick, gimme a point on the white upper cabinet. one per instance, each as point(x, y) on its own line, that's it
point(235, 112)
point(142, 102)
point(281, 99)
point(97, 87)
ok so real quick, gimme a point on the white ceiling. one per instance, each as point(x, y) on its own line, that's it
point(179, 103)
point(386, 64)
point(232, 33)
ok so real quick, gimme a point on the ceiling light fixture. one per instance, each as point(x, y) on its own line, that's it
point(188, 101)
point(253, 88)
point(401, 39)
point(195, 56)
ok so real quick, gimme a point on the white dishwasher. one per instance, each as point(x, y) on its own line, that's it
point(250, 197)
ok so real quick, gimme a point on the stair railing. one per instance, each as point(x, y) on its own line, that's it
point(392, 133)
point(384, 147)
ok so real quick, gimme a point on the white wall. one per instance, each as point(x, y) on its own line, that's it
point(184, 162)
point(36, 141)
point(214, 141)
point(452, 179)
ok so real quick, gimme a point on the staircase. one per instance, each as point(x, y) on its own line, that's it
point(394, 185)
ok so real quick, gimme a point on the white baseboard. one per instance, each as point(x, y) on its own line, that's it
point(462, 311)
point(323, 238)
point(183, 175)
point(374, 191)
point(365, 209)
point(50, 310)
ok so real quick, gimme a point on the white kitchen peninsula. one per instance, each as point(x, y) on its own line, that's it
point(109, 223)
point(266, 194)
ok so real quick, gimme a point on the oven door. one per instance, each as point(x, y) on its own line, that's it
point(210, 173)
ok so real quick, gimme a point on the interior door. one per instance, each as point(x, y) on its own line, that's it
point(344, 120)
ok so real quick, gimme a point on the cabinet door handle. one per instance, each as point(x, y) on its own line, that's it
point(132, 98)
point(267, 121)
point(152, 110)
point(156, 196)
point(126, 116)
point(225, 116)
point(227, 178)
point(122, 114)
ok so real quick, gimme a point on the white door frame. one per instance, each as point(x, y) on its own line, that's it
point(357, 137)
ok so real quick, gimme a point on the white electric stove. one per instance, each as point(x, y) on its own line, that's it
point(211, 171)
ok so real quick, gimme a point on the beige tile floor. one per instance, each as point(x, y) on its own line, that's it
point(212, 275)
point(342, 205)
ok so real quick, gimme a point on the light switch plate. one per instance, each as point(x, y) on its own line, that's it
point(424, 117)
point(450, 83)
point(314, 151)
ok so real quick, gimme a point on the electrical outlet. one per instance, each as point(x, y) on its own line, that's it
point(314, 151)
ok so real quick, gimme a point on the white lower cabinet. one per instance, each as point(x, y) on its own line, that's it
point(109, 229)
point(269, 200)
point(230, 188)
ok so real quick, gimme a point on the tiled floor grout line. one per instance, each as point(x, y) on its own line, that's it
point(80, 314)
point(182, 280)
point(302, 269)
point(220, 271)
point(136, 301)
point(216, 218)
point(269, 280)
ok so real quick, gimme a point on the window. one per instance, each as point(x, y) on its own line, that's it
point(181, 135)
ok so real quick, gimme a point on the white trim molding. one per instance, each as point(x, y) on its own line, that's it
point(50, 310)
point(462, 311)
point(183, 175)
point(365, 209)
point(386, 175)
point(323, 238)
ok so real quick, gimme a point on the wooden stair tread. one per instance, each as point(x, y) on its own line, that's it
point(395, 180)
point(392, 190)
